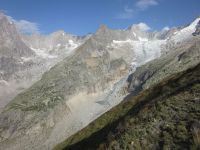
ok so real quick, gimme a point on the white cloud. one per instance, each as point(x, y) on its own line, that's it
point(126, 14)
point(144, 4)
point(25, 26)
point(143, 26)
point(165, 28)
point(128, 10)
point(140, 5)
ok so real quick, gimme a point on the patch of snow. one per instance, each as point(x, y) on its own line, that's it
point(58, 45)
point(43, 54)
point(134, 34)
point(52, 56)
point(122, 42)
point(117, 44)
point(72, 45)
point(25, 59)
point(143, 39)
point(175, 32)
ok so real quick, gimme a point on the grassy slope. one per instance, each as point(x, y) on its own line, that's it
point(158, 118)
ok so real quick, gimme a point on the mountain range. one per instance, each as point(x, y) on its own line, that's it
point(52, 86)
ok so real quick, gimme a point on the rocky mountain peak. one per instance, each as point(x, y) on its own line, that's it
point(7, 28)
point(103, 27)
point(2, 17)
point(58, 33)
point(10, 40)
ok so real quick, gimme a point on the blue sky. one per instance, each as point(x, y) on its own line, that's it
point(84, 16)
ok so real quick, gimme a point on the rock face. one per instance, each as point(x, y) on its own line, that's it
point(10, 41)
point(24, 58)
point(89, 82)
point(76, 90)
point(12, 48)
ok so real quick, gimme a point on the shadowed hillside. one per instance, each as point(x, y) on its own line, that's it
point(164, 117)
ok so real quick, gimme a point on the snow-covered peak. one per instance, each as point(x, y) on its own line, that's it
point(192, 27)
point(197, 30)
point(186, 32)
point(195, 23)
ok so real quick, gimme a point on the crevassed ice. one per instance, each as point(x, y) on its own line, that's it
point(143, 50)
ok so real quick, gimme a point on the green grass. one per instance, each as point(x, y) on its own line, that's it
point(39, 106)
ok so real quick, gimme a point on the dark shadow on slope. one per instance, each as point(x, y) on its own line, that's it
point(168, 87)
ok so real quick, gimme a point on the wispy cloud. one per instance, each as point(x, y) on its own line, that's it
point(144, 4)
point(126, 14)
point(137, 7)
point(25, 26)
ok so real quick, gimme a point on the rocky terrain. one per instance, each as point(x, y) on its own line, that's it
point(82, 78)
point(24, 58)
point(166, 116)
